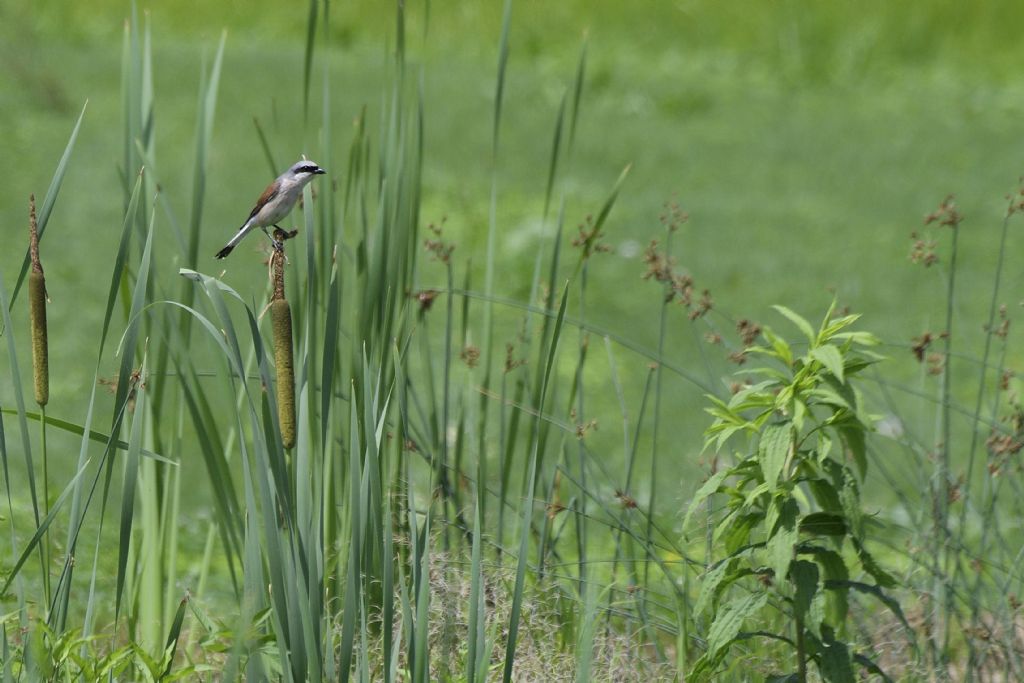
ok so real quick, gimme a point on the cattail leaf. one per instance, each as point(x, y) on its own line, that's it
point(51, 198)
point(79, 430)
point(19, 399)
point(41, 529)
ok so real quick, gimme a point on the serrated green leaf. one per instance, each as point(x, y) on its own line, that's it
point(706, 489)
point(871, 667)
point(834, 660)
point(830, 328)
point(853, 438)
point(730, 618)
point(860, 338)
point(825, 494)
point(823, 524)
point(753, 494)
point(836, 575)
point(779, 346)
point(867, 561)
point(719, 434)
point(799, 415)
point(783, 537)
point(734, 530)
point(772, 451)
point(829, 356)
point(799, 321)
point(709, 584)
point(804, 576)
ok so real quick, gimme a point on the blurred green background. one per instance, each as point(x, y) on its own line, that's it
point(806, 141)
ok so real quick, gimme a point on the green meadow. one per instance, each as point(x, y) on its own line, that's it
point(508, 395)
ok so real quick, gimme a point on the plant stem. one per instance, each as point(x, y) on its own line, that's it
point(801, 650)
point(46, 503)
point(943, 605)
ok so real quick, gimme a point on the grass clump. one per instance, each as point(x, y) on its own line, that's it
point(543, 650)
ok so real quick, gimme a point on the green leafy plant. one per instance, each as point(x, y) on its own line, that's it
point(792, 522)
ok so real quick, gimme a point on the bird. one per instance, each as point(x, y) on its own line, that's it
point(276, 202)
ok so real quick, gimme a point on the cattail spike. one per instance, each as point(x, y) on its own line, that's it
point(37, 312)
point(281, 323)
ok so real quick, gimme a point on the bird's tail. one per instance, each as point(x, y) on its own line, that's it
point(242, 232)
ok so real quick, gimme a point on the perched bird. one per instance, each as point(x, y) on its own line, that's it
point(276, 202)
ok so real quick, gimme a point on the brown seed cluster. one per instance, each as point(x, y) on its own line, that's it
point(678, 286)
point(1002, 330)
point(921, 345)
point(589, 238)
point(583, 427)
point(662, 269)
point(748, 331)
point(737, 357)
point(425, 298)
point(673, 216)
point(923, 251)
point(438, 248)
point(1006, 441)
point(627, 501)
point(1016, 200)
point(511, 362)
point(470, 355)
point(946, 215)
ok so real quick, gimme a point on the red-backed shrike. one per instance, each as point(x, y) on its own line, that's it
point(276, 202)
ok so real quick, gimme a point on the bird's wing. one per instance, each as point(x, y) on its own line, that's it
point(267, 196)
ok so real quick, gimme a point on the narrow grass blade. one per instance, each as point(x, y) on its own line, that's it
point(307, 69)
point(171, 648)
point(40, 531)
point(204, 132)
point(19, 399)
point(51, 198)
point(79, 430)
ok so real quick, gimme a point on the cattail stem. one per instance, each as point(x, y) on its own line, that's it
point(37, 312)
point(281, 323)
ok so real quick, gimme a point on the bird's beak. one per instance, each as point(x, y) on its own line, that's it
point(319, 171)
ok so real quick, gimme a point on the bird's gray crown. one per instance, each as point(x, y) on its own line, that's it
point(305, 167)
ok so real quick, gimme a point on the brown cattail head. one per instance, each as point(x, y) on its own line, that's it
point(281, 323)
point(37, 311)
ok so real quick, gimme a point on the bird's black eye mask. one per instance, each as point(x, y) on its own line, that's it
point(309, 168)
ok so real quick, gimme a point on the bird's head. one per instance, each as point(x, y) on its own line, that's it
point(303, 171)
